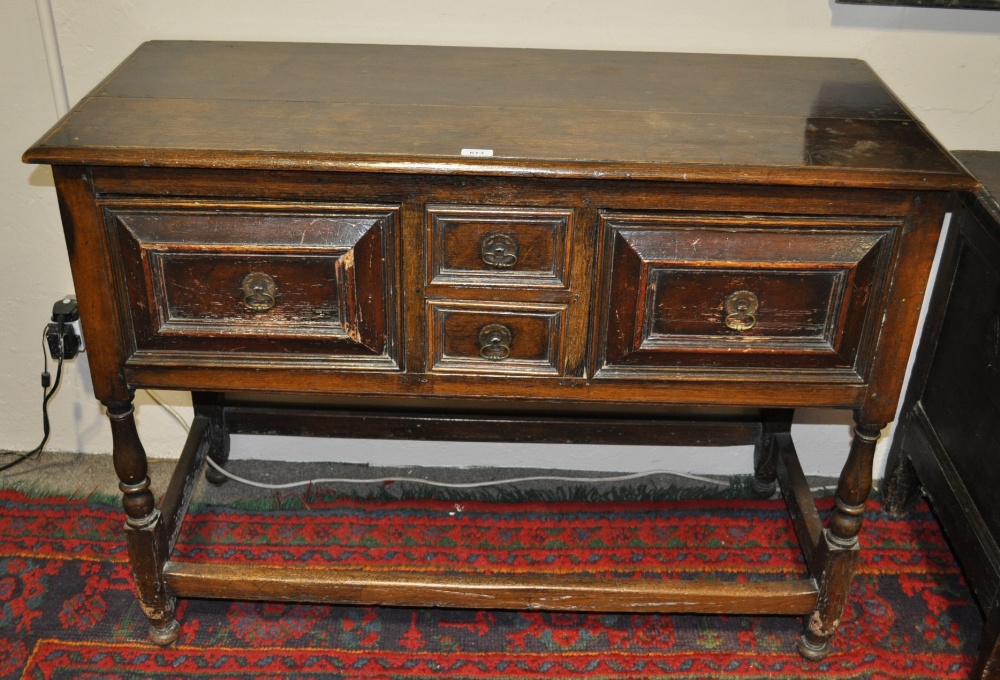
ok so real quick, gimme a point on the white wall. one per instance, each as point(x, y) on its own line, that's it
point(945, 64)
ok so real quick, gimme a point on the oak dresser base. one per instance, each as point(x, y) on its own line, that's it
point(476, 244)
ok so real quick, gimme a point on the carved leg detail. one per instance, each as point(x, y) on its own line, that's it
point(765, 474)
point(838, 552)
point(144, 532)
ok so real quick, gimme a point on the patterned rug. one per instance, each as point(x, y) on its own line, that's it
point(67, 609)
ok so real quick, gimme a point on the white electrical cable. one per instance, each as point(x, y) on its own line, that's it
point(465, 485)
point(170, 409)
point(50, 40)
point(428, 482)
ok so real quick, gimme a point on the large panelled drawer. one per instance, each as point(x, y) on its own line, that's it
point(706, 290)
point(251, 278)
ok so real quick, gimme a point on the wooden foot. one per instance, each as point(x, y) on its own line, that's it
point(812, 651)
point(763, 489)
point(213, 475)
point(164, 635)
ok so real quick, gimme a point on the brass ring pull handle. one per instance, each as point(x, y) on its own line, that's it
point(494, 342)
point(741, 310)
point(499, 250)
point(258, 292)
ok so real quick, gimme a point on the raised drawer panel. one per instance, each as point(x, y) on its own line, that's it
point(195, 291)
point(686, 304)
point(741, 291)
point(483, 338)
point(251, 279)
point(487, 246)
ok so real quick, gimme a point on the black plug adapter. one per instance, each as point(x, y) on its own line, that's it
point(64, 335)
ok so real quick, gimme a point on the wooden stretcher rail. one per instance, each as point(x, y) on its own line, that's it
point(798, 497)
point(482, 591)
point(499, 428)
point(174, 503)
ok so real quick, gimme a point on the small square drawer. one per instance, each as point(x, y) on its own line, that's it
point(716, 291)
point(486, 246)
point(249, 278)
point(487, 338)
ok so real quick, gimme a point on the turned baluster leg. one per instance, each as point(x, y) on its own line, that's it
point(144, 531)
point(765, 472)
point(212, 406)
point(838, 551)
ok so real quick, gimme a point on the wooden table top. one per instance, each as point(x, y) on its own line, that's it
point(555, 113)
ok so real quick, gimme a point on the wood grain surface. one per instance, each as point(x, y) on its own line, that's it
point(487, 591)
point(541, 112)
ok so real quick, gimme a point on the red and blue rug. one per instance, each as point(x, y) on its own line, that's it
point(67, 608)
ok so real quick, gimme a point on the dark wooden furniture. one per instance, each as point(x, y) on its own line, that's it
point(950, 422)
point(944, 4)
point(483, 244)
